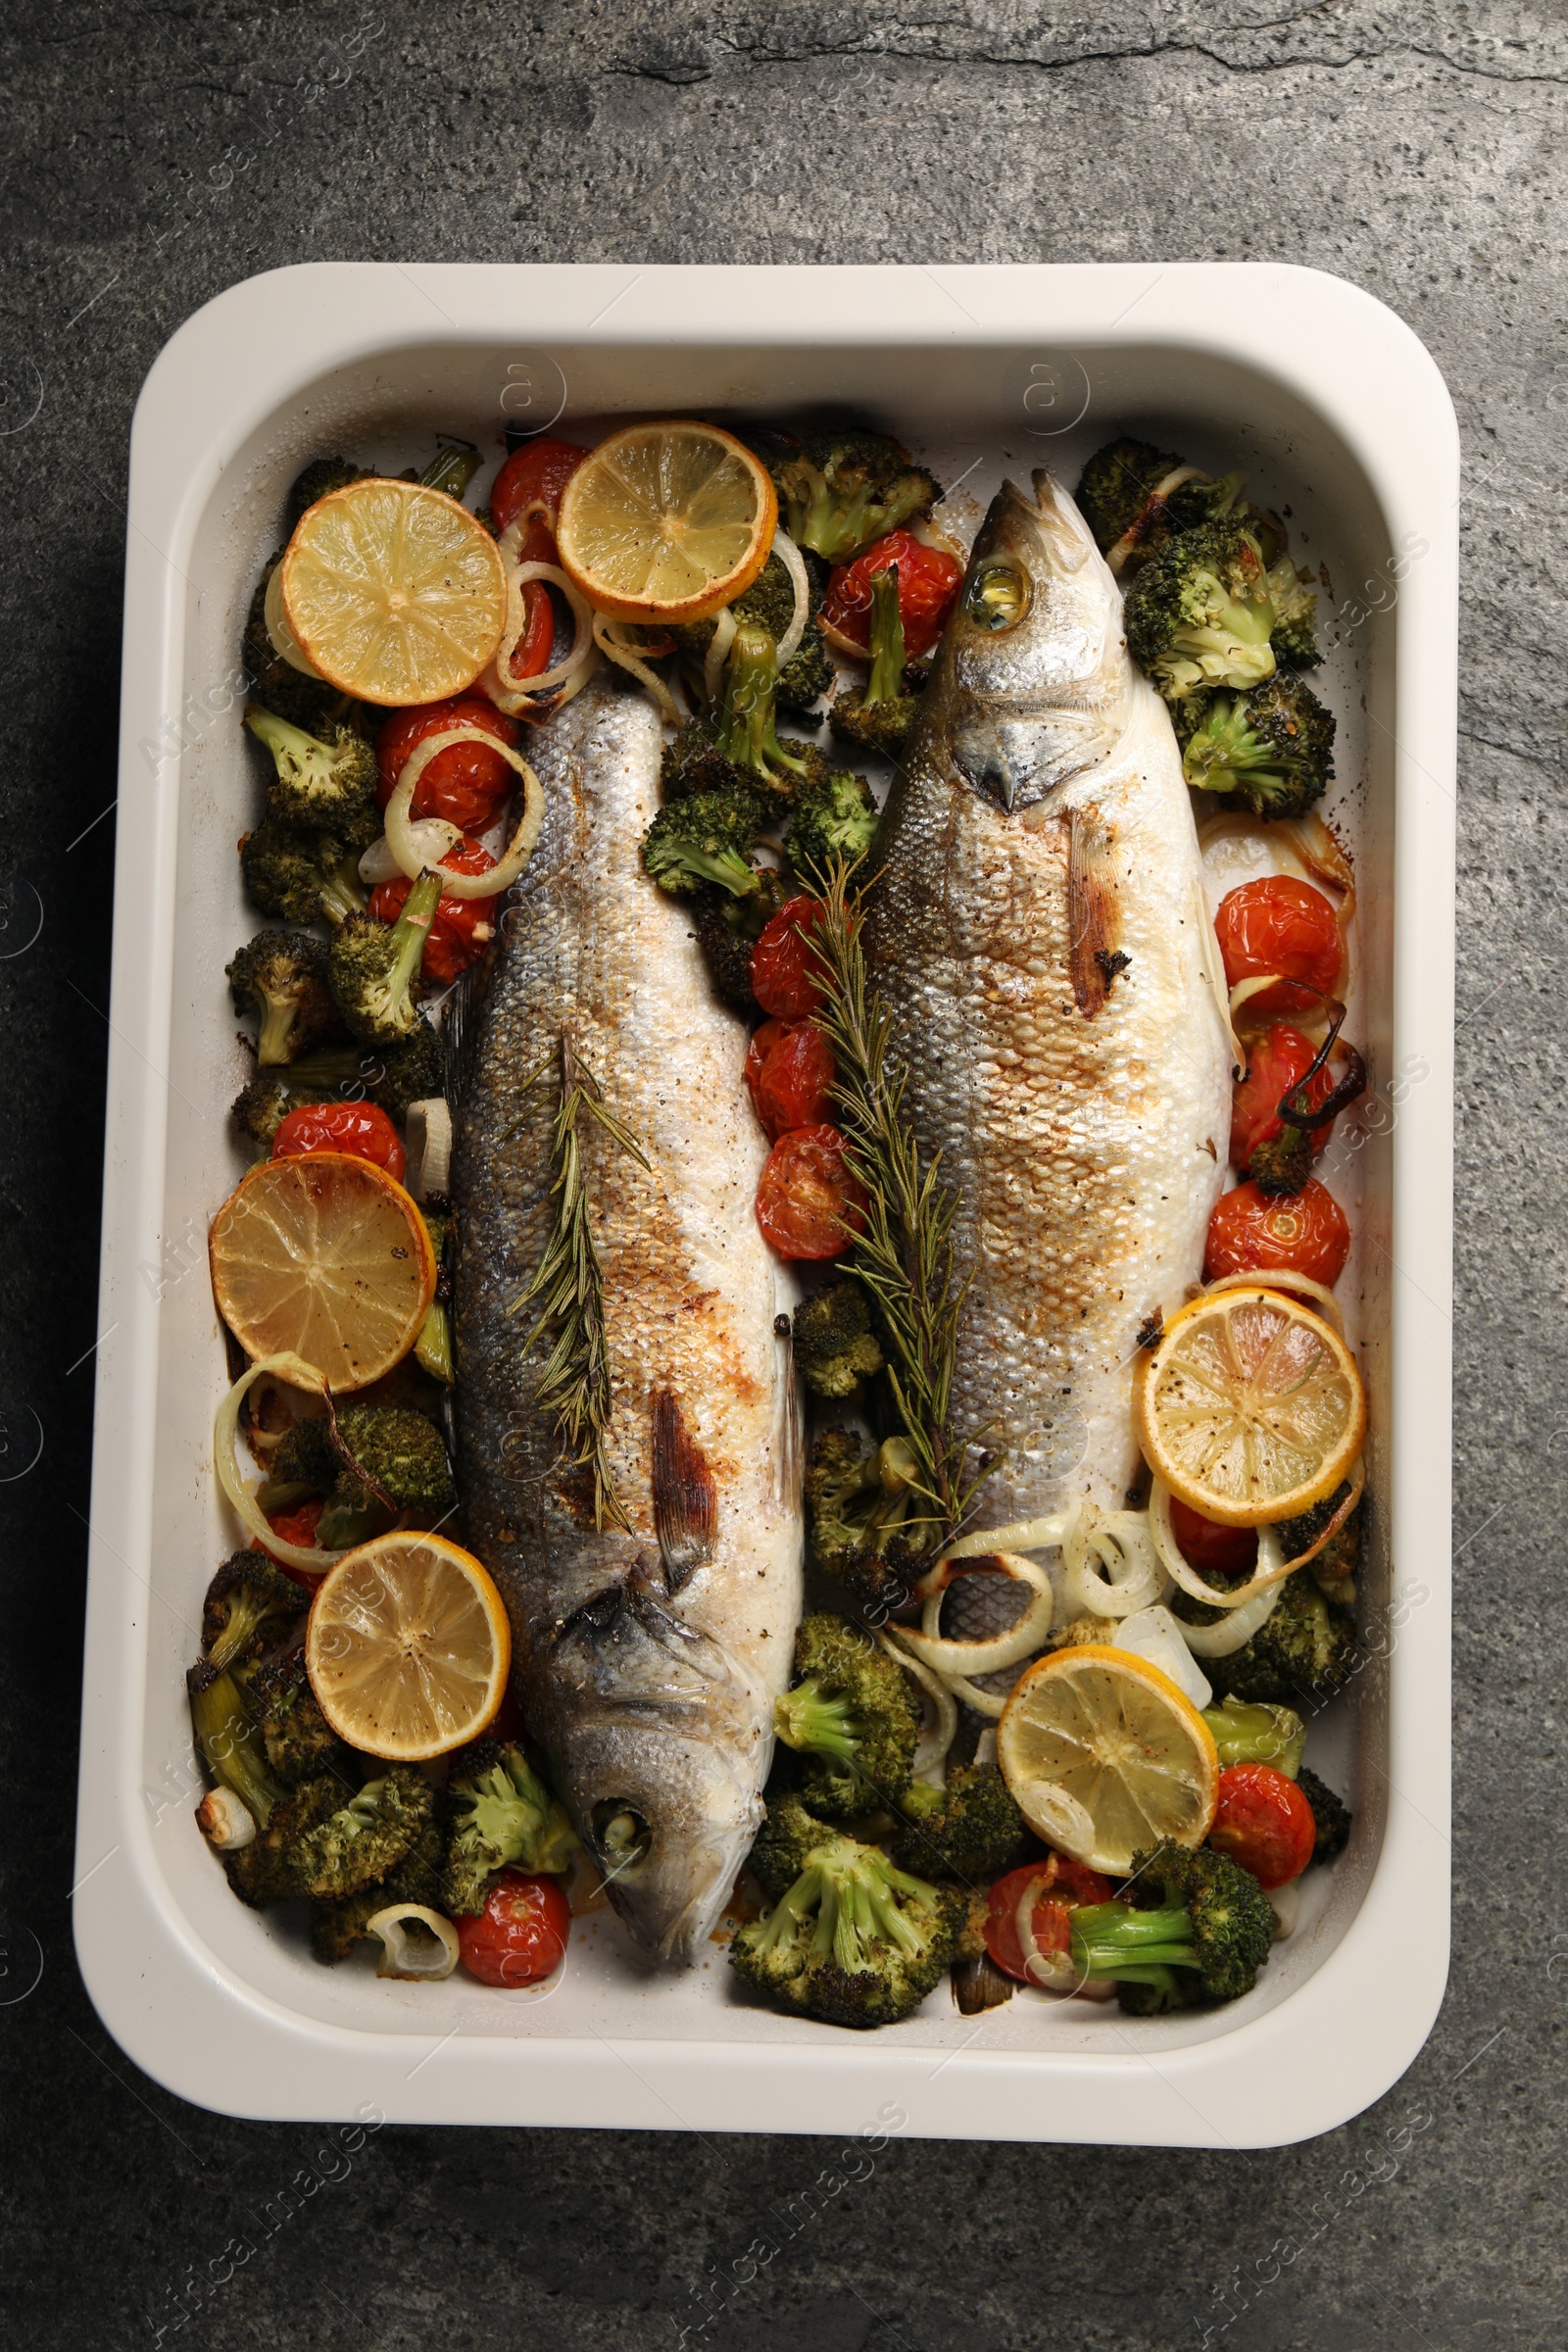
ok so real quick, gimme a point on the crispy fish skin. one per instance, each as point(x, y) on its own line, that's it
point(1038, 934)
point(646, 1662)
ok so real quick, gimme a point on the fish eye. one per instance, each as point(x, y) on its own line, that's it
point(620, 1835)
point(998, 596)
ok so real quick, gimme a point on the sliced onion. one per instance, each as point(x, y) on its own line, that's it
point(400, 833)
point(1279, 1278)
point(403, 1958)
point(431, 836)
point(280, 636)
point(609, 641)
point(1214, 975)
point(295, 1373)
point(1093, 1545)
point(985, 1747)
point(984, 1702)
point(718, 654)
point(1232, 1632)
point(519, 696)
point(225, 1821)
point(1130, 537)
point(1175, 1560)
point(933, 1745)
point(1052, 1972)
point(1007, 1649)
point(428, 1132)
point(1246, 990)
point(1023, 1534)
point(1286, 1903)
point(793, 563)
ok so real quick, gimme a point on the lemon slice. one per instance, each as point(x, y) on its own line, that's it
point(393, 592)
point(1251, 1408)
point(1105, 1756)
point(407, 1648)
point(328, 1257)
point(667, 522)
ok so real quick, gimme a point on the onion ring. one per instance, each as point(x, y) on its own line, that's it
point(1089, 1589)
point(1052, 1972)
point(718, 645)
point(1010, 1649)
point(1281, 1278)
point(295, 1373)
point(1219, 1640)
point(519, 697)
point(932, 1745)
point(608, 641)
point(518, 851)
point(793, 563)
point(1023, 1534)
point(1175, 1561)
point(401, 1957)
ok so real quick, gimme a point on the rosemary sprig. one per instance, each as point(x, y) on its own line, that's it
point(570, 1290)
point(904, 1253)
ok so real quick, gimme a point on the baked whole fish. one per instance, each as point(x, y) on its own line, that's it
point(1038, 935)
point(646, 1660)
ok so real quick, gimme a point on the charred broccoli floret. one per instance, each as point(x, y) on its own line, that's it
point(1294, 602)
point(833, 820)
point(501, 1813)
point(867, 1524)
point(321, 477)
point(263, 1872)
point(835, 1345)
point(881, 717)
point(852, 1718)
point(306, 702)
point(769, 601)
point(301, 878)
point(400, 1451)
point(971, 1830)
point(853, 1941)
point(337, 1926)
point(1134, 498)
point(1329, 1812)
point(299, 1741)
point(842, 490)
point(786, 1838)
point(738, 748)
point(374, 966)
point(1199, 615)
point(280, 977)
point(316, 786)
point(359, 1842)
point(251, 1608)
point(304, 1459)
point(1301, 1654)
point(1271, 750)
point(727, 932)
point(230, 1743)
point(1194, 1926)
point(706, 839)
point(413, 1071)
point(258, 1109)
point(1258, 1733)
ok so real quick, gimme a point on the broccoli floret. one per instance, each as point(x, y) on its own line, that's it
point(835, 1347)
point(304, 1459)
point(727, 932)
point(316, 786)
point(300, 878)
point(881, 715)
point(1334, 1566)
point(400, 1451)
point(374, 967)
point(501, 1813)
point(1301, 1654)
point(738, 748)
point(852, 1716)
point(251, 1608)
point(1331, 1814)
point(867, 1525)
point(337, 1926)
point(1186, 1911)
point(786, 1838)
point(299, 1741)
point(230, 1743)
point(1198, 613)
point(280, 977)
point(971, 1831)
point(263, 1872)
point(321, 477)
point(1271, 750)
point(855, 1940)
point(413, 1071)
point(842, 490)
point(706, 839)
point(769, 601)
point(1258, 1733)
point(1294, 602)
point(832, 821)
point(362, 1841)
point(258, 1109)
point(1134, 498)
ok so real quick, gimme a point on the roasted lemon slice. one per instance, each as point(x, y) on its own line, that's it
point(325, 1258)
point(1105, 1756)
point(667, 522)
point(407, 1648)
point(393, 592)
point(1251, 1408)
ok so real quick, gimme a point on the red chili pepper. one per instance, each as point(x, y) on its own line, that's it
point(786, 976)
point(1301, 1233)
point(807, 1197)
point(466, 784)
point(929, 579)
point(1275, 1066)
point(359, 1128)
point(462, 927)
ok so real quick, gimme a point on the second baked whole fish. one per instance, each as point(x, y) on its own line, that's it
point(1038, 935)
point(647, 1657)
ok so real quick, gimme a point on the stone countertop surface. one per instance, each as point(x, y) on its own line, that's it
point(155, 156)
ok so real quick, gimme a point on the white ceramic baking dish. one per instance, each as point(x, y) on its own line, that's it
point(1342, 420)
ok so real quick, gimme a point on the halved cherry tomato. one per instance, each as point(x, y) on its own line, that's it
point(786, 976)
point(807, 1197)
point(1063, 1883)
point(792, 1080)
point(1278, 924)
point(1263, 1822)
point(929, 579)
point(295, 1526)
point(1275, 1065)
point(355, 1127)
point(1211, 1548)
point(466, 784)
point(538, 471)
point(520, 1934)
point(763, 1040)
point(1301, 1233)
point(461, 928)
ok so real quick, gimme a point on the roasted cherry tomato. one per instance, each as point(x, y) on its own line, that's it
point(466, 784)
point(1276, 1063)
point(791, 1080)
point(808, 1197)
point(1063, 1883)
point(462, 927)
point(763, 1040)
point(786, 977)
point(1263, 1822)
point(297, 1526)
point(1280, 925)
point(1212, 1549)
point(1303, 1233)
point(929, 579)
point(354, 1127)
point(534, 474)
point(520, 1934)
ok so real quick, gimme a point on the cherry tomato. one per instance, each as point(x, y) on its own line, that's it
point(763, 1040)
point(1063, 1883)
point(807, 1196)
point(1211, 1548)
point(1280, 925)
point(1275, 1065)
point(1263, 1822)
point(466, 784)
point(520, 1934)
point(1303, 1233)
point(929, 579)
point(354, 1127)
point(537, 472)
point(294, 1527)
point(462, 927)
point(786, 978)
point(793, 1083)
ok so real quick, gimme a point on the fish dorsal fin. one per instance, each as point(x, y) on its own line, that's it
point(685, 1498)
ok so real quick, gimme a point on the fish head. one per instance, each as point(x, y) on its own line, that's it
point(1033, 669)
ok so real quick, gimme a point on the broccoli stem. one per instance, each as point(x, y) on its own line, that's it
point(284, 742)
point(411, 929)
point(886, 682)
point(747, 731)
point(229, 1742)
point(807, 1718)
point(1112, 1940)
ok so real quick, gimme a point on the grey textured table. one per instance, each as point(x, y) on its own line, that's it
point(1417, 150)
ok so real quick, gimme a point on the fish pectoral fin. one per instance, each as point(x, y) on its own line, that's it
point(1094, 955)
point(685, 1498)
